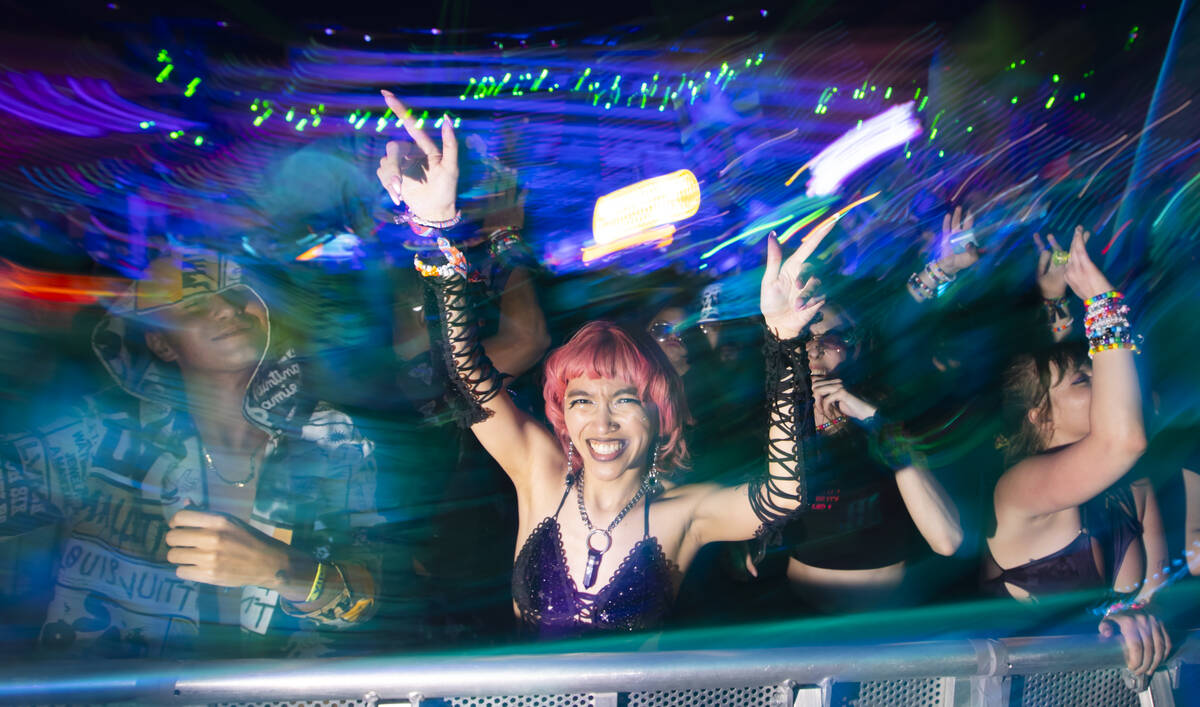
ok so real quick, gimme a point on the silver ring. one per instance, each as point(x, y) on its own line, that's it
point(603, 533)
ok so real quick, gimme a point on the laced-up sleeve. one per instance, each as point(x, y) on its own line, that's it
point(782, 493)
point(473, 380)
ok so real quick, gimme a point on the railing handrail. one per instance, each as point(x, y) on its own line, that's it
point(522, 674)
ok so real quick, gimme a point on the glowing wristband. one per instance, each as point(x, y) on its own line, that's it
point(318, 584)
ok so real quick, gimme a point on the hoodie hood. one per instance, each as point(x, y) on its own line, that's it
point(272, 398)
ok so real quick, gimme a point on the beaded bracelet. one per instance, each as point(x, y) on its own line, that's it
point(829, 424)
point(1108, 317)
point(1096, 299)
point(425, 227)
point(1107, 325)
point(1063, 325)
point(937, 273)
point(503, 240)
point(427, 270)
point(1119, 606)
point(440, 225)
point(920, 289)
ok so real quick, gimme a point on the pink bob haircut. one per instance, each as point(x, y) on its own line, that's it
point(604, 350)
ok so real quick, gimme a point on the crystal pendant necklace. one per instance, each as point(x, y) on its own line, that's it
point(599, 540)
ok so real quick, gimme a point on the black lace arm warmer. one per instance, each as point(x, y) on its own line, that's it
point(473, 380)
point(781, 493)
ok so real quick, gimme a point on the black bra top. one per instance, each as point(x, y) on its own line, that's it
point(1109, 526)
point(637, 597)
point(857, 518)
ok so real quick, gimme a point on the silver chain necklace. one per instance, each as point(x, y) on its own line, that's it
point(212, 468)
point(595, 554)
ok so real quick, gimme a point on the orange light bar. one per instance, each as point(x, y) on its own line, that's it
point(311, 253)
point(643, 206)
point(57, 287)
point(663, 234)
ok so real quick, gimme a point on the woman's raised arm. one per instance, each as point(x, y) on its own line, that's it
point(1116, 438)
point(788, 304)
point(427, 182)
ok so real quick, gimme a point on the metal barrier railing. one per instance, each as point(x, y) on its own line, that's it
point(972, 671)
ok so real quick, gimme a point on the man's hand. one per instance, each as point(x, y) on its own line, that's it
point(215, 549)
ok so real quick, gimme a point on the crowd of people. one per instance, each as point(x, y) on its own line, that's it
point(230, 490)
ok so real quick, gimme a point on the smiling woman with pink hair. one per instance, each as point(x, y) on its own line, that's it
point(601, 544)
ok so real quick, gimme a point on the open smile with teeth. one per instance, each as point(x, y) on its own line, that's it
point(605, 449)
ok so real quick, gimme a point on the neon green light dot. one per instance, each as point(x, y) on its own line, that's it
point(970, 128)
point(1049, 102)
point(145, 124)
point(1014, 100)
point(199, 140)
point(941, 153)
point(1054, 78)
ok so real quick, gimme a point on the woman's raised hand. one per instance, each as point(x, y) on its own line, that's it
point(1083, 277)
point(787, 298)
point(426, 180)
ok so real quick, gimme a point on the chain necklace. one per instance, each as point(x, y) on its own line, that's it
point(600, 536)
point(212, 468)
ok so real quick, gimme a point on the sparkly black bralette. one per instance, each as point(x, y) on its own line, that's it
point(638, 596)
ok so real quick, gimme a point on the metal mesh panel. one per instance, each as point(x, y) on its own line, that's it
point(571, 700)
point(762, 696)
point(898, 693)
point(1092, 688)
